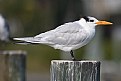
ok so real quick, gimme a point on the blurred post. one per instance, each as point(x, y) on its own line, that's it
point(65, 55)
point(12, 65)
point(65, 70)
point(116, 43)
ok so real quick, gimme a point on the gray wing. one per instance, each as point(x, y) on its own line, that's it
point(68, 34)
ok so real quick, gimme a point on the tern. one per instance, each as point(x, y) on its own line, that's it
point(4, 29)
point(69, 36)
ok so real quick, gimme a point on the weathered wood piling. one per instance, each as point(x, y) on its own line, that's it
point(12, 65)
point(65, 70)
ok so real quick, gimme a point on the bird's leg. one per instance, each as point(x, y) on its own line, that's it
point(72, 55)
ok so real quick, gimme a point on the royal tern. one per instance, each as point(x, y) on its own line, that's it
point(69, 36)
point(4, 29)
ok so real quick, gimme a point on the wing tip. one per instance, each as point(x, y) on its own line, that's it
point(15, 38)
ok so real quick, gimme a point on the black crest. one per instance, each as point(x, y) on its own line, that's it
point(86, 18)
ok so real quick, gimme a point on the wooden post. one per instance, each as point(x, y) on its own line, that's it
point(12, 65)
point(65, 70)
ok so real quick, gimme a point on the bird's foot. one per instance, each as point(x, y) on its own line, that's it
point(73, 59)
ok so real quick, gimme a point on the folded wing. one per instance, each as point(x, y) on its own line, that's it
point(68, 34)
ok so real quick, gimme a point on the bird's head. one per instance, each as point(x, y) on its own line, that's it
point(92, 22)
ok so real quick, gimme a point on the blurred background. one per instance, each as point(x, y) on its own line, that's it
point(31, 17)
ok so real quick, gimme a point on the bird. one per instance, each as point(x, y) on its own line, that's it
point(4, 29)
point(67, 37)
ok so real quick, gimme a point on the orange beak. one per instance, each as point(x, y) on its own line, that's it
point(103, 23)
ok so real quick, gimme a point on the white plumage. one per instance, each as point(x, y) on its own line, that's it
point(4, 29)
point(67, 37)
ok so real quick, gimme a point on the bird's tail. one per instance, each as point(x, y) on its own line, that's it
point(25, 40)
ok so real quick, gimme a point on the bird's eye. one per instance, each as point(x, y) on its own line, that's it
point(91, 20)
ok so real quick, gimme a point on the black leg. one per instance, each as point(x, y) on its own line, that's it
point(72, 55)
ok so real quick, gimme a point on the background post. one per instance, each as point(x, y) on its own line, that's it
point(12, 65)
point(65, 70)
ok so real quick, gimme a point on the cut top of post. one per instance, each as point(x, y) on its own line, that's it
point(74, 61)
point(12, 52)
